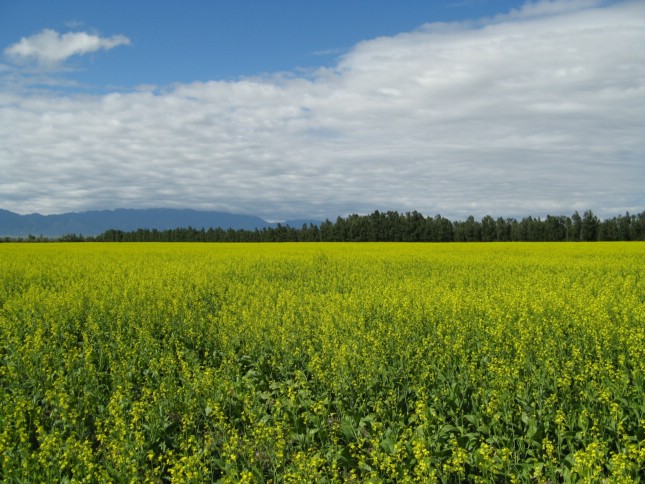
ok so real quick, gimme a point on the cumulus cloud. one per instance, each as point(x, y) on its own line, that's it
point(508, 117)
point(50, 48)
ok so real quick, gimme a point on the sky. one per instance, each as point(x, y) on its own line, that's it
point(301, 109)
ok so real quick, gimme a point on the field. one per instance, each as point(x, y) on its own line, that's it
point(322, 362)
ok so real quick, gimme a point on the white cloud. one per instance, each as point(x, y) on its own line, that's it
point(548, 8)
point(50, 48)
point(511, 117)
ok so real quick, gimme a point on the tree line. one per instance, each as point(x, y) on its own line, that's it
point(392, 226)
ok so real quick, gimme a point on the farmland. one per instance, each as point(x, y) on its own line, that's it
point(325, 362)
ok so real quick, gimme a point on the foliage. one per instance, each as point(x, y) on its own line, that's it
point(392, 226)
point(322, 362)
point(409, 227)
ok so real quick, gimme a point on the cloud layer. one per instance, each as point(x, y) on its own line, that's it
point(50, 48)
point(537, 111)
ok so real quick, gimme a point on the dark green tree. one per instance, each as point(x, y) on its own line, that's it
point(589, 227)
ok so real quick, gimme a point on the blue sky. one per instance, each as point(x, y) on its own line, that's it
point(317, 109)
point(224, 40)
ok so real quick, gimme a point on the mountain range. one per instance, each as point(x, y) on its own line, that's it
point(95, 222)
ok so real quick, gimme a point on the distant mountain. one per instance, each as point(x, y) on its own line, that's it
point(98, 221)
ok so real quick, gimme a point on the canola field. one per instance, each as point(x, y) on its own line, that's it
point(322, 362)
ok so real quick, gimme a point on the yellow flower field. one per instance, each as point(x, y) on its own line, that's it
point(322, 362)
